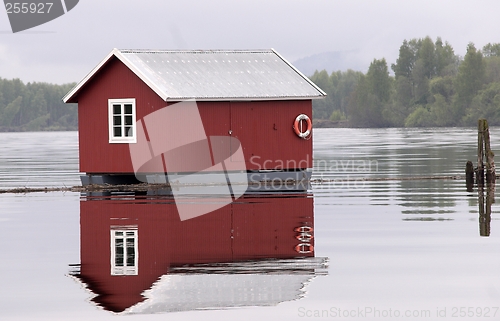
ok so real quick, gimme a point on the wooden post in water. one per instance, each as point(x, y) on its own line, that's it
point(490, 163)
point(484, 152)
point(480, 164)
point(469, 176)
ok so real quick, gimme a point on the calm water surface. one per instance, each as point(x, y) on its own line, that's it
point(395, 247)
point(38, 159)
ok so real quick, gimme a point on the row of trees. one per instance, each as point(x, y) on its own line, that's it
point(35, 106)
point(430, 86)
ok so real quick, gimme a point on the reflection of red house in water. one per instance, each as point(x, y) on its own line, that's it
point(127, 244)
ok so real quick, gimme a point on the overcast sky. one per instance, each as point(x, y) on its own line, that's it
point(67, 48)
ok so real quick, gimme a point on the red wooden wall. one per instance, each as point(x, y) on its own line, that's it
point(115, 80)
point(249, 229)
point(264, 128)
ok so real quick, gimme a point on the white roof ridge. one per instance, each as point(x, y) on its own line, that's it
point(196, 50)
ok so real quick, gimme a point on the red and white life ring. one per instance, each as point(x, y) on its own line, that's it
point(304, 248)
point(297, 126)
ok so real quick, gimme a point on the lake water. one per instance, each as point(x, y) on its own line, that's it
point(385, 246)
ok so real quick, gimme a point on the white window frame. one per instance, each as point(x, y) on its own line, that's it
point(124, 269)
point(122, 139)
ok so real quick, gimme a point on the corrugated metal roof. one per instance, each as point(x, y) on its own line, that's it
point(214, 74)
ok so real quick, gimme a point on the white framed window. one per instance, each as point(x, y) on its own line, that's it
point(121, 116)
point(124, 252)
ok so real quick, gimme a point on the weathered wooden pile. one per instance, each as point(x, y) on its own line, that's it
point(484, 153)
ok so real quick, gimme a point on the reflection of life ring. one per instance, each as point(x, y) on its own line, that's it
point(304, 229)
point(304, 248)
point(304, 237)
point(297, 126)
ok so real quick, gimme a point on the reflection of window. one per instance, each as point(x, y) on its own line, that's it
point(121, 113)
point(124, 252)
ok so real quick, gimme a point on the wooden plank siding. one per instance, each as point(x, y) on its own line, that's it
point(97, 155)
point(264, 128)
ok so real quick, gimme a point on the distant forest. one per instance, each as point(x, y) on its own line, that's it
point(35, 107)
point(431, 86)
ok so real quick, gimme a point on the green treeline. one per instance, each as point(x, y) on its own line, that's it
point(35, 107)
point(431, 86)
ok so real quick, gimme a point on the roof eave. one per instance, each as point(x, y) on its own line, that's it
point(69, 97)
point(301, 74)
point(141, 75)
point(172, 99)
point(72, 94)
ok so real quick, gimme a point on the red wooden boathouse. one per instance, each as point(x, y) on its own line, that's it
point(255, 96)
